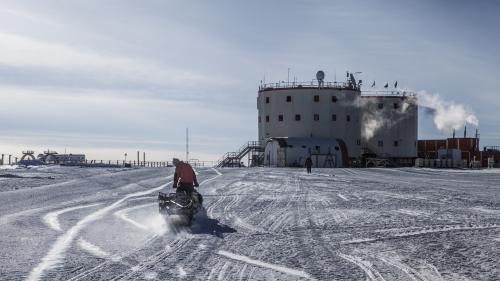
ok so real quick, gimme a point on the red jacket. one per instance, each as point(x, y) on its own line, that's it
point(184, 173)
point(309, 162)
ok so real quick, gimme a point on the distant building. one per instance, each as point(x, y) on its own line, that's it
point(379, 124)
point(52, 157)
point(466, 150)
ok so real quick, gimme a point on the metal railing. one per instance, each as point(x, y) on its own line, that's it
point(307, 84)
point(233, 159)
point(8, 159)
point(198, 163)
point(395, 92)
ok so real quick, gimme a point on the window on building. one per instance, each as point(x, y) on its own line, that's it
point(267, 118)
point(396, 105)
point(396, 143)
point(358, 142)
point(288, 98)
point(280, 117)
point(380, 105)
point(316, 117)
point(334, 98)
point(334, 117)
point(317, 149)
point(337, 148)
point(267, 99)
point(316, 98)
point(297, 117)
point(348, 118)
point(380, 143)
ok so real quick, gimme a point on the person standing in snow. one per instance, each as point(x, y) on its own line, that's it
point(309, 164)
point(185, 179)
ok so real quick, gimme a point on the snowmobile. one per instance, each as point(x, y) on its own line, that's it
point(178, 206)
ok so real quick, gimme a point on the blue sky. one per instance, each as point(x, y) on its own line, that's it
point(109, 77)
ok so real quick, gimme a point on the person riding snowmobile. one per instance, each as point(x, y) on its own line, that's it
point(185, 180)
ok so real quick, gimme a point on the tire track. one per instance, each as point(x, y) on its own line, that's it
point(104, 265)
point(410, 272)
point(423, 232)
point(370, 272)
point(56, 253)
point(51, 219)
point(139, 269)
point(211, 208)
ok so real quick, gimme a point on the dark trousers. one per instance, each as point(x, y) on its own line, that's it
point(189, 189)
point(309, 169)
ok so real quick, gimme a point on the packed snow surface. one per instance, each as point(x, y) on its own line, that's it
point(69, 223)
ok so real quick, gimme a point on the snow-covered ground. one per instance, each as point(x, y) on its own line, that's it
point(67, 223)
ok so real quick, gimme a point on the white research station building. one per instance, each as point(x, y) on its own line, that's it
point(335, 124)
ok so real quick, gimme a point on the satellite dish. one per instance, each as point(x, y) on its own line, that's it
point(320, 75)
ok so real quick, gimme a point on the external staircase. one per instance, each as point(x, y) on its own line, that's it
point(254, 150)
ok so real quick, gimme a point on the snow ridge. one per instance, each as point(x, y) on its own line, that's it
point(51, 219)
point(279, 268)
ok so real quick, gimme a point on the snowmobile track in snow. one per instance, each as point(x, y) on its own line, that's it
point(260, 224)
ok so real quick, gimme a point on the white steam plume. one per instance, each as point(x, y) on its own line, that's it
point(448, 115)
point(373, 119)
point(371, 126)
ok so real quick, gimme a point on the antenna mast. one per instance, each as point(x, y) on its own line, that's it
point(187, 145)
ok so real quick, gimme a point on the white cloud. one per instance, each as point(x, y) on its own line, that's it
point(93, 120)
point(22, 51)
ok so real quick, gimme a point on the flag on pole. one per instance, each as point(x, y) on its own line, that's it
point(386, 85)
point(396, 84)
point(373, 85)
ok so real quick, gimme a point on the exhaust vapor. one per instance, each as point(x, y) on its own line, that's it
point(448, 115)
point(373, 120)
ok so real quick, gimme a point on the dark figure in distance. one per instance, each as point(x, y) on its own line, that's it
point(185, 180)
point(309, 164)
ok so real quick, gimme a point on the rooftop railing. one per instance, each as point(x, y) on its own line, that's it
point(308, 84)
point(395, 92)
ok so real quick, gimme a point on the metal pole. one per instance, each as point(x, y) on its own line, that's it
point(138, 159)
point(144, 158)
point(1, 163)
point(187, 145)
point(10, 162)
point(288, 77)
